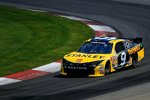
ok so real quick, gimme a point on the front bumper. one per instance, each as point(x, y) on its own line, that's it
point(94, 75)
point(97, 72)
point(91, 69)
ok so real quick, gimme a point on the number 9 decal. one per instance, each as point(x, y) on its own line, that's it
point(123, 58)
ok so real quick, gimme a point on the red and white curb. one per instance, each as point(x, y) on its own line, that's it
point(30, 74)
point(100, 30)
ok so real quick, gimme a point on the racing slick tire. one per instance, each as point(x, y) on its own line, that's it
point(107, 68)
point(134, 60)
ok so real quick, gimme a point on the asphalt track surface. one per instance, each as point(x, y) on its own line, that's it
point(130, 19)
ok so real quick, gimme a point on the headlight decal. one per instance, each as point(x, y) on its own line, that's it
point(89, 65)
point(94, 64)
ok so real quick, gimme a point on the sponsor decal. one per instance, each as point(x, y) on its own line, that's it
point(134, 49)
point(114, 60)
point(78, 60)
point(74, 68)
point(83, 55)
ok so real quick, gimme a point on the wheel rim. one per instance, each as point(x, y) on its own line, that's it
point(134, 64)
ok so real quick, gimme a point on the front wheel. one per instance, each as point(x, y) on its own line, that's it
point(107, 68)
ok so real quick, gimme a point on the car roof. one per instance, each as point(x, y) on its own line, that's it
point(105, 39)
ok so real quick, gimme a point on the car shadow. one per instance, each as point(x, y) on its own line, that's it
point(71, 76)
point(86, 76)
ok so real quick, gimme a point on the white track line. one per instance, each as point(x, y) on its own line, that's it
point(75, 18)
point(102, 28)
point(36, 10)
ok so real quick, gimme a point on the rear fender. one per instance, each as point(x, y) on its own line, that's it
point(140, 54)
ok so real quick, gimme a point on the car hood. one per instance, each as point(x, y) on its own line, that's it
point(77, 57)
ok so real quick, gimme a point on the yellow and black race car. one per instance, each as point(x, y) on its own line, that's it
point(101, 55)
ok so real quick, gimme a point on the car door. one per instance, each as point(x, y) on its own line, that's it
point(122, 54)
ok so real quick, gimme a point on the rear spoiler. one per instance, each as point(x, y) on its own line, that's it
point(137, 40)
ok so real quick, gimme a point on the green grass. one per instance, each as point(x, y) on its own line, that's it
point(30, 39)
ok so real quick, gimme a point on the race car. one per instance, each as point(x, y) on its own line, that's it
point(100, 56)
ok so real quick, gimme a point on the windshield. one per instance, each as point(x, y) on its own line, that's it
point(104, 48)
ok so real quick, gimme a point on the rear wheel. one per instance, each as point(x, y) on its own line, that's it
point(134, 60)
point(107, 68)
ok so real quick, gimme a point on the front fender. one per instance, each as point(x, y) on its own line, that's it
point(100, 69)
point(103, 64)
